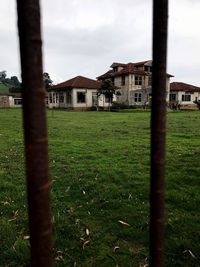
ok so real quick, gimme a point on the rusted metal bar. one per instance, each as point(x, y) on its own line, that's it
point(35, 133)
point(158, 130)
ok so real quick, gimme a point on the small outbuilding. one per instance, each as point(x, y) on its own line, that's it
point(10, 100)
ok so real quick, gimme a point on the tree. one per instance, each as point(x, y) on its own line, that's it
point(14, 84)
point(47, 80)
point(2, 75)
point(107, 89)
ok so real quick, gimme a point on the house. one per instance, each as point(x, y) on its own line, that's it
point(133, 81)
point(10, 100)
point(183, 94)
point(78, 93)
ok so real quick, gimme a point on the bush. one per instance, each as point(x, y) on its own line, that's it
point(197, 102)
point(118, 106)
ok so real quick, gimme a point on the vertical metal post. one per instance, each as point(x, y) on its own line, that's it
point(158, 129)
point(35, 133)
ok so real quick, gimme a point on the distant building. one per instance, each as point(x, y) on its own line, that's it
point(10, 100)
point(184, 94)
point(134, 82)
point(78, 93)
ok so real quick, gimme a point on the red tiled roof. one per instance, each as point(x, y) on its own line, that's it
point(77, 82)
point(129, 68)
point(115, 64)
point(179, 86)
point(11, 94)
point(141, 62)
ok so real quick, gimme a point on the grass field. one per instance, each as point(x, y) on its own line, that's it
point(4, 88)
point(99, 165)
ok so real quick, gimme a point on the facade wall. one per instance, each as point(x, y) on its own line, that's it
point(185, 98)
point(77, 99)
point(4, 101)
point(129, 92)
point(168, 89)
point(123, 88)
point(91, 99)
point(15, 102)
point(89, 95)
point(131, 89)
point(58, 99)
point(7, 101)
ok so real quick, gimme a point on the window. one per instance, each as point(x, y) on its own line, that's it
point(56, 96)
point(94, 99)
point(81, 97)
point(149, 80)
point(68, 97)
point(18, 101)
point(186, 98)
point(138, 80)
point(50, 98)
point(61, 98)
point(148, 68)
point(138, 97)
point(172, 97)
point(107, 99)
point(123, 80)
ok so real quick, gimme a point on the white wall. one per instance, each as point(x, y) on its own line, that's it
point(88, 98)
point(193, 97)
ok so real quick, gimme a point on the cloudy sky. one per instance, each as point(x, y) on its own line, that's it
point(84, 37)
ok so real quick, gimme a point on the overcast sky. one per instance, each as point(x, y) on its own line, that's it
point(84, 37)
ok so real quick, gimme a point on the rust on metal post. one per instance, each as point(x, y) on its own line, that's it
point(158, 130)
point(35, 133)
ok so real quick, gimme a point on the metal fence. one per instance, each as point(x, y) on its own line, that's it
point(36, 140)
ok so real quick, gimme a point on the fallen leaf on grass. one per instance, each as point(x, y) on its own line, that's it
point(190, 252)
point(71, 210)
point(14, 216)
point(12, 220)
point(86, 243)
point(77, 221)
point(5, 203)
point(59, 258)
point(115, 248)
point(124, 223)
point(59, 255)
point(13, 247)
point(130, 196)
point(87, 232)
point(26, 237)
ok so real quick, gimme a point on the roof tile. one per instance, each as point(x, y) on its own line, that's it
point(77, 82)
point(179, 86)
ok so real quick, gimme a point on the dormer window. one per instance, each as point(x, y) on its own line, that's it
point(115, 69)
point(148, 68)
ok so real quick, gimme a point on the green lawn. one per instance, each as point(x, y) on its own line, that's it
point(99, 165)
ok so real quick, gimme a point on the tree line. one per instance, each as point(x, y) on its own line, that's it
point(15, 86)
